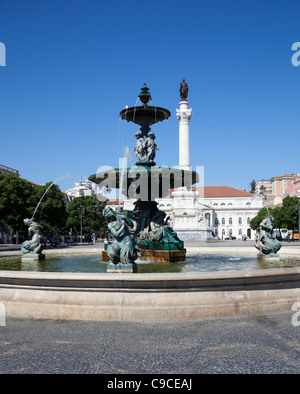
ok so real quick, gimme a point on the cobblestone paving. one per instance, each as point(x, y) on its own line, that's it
point(261, 344)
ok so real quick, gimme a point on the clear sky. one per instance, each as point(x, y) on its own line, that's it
point(73, 65)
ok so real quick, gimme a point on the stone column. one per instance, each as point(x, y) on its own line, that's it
point(184, 115)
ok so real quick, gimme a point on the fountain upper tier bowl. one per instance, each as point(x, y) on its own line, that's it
point(150, 182)
point(145, 115)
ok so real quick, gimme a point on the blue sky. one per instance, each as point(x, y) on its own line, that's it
point(73, 65)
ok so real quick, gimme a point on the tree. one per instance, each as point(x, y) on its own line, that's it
point(252, 186)
point(17, 201)
point(93, 220)
point(255, 222)
point(52, 211)
point(289, 213)
point(19, 198)
point(285, 216)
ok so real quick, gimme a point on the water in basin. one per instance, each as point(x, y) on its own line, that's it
point(92, 263)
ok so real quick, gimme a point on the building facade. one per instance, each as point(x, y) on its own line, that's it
point(8, 170)
point(84, 188)
point(279, 187)
point(222, 210)
point(265, 188)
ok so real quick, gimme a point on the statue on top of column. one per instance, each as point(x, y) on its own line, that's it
point(183, 90)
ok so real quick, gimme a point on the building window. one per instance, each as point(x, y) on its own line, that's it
point(248, 221)
point(223, 203)
point(216, 222)
point(230, 203)
point(216, 204)
point(223, 221)
point(223, 232)
point(230, 221)
point(240, 221)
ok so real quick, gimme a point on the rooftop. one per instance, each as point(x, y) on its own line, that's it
point(221, 192)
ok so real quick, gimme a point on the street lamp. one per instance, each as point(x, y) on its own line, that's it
point(81, 211)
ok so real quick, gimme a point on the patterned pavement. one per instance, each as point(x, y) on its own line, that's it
point(246, 345)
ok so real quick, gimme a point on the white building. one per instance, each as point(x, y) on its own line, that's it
point(84, 188)
point(221, 209)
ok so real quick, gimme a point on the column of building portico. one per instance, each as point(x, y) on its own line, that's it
point(184, 114)
point(187, 215)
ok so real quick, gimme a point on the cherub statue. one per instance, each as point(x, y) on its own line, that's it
point(150, 146)
point(139, 146)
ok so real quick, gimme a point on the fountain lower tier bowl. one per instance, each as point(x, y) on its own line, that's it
point(145, 115)
point(145, 182)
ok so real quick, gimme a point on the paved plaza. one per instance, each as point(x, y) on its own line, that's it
point(246, 345)
point(243, 345)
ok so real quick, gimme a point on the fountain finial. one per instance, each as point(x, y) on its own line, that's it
point(145, 95)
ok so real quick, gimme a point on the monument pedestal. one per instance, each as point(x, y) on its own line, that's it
point(32, 257)
point(188, 218)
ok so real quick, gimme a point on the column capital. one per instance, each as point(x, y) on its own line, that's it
point(184, 114)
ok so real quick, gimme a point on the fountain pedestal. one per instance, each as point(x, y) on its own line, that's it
point(268, 257)
point(33, 257)
point(149, 251)
point(121, 268)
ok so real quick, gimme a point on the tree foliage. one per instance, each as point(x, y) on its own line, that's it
point(285, 216)
point(19, 198)
point(17, 201)
point(52, 212)
point(93, 220)
point(252, 185)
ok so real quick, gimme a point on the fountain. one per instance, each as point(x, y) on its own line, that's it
point(153, 238)
point(213, 286)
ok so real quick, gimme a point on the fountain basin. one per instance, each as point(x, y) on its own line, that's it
point(94, 296)
point(145, 115)
point(147, 297)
